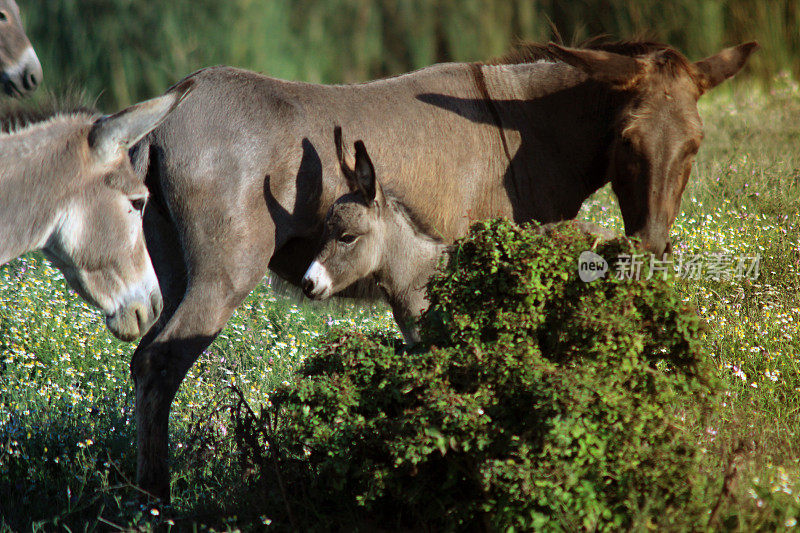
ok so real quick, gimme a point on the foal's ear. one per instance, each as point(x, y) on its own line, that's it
point(112, 136)
point(608, 67)
point(364, 175)
point(713, 70)
point(359, 172)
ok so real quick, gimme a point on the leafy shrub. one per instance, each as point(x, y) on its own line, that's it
point(542, 402)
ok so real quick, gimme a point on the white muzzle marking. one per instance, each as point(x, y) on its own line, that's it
point(26, 59)
point(318, 275)
point(135, 310)
point(140, 292)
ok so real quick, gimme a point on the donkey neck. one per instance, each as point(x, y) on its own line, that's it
point(409, 260)
point(525, 92)
point(556, 127)
point(31, 190)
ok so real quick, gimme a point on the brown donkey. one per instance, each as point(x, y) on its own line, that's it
point(243, 173)
point(369, 235)
point(67, 187)
point(20, 71)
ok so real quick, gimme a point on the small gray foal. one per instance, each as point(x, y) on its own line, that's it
point(369, 234)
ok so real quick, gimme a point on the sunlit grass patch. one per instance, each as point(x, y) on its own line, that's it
point(66, 399)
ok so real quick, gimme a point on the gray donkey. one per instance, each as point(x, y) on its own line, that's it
point(67, 187)
point(370, 234)
point(243, 173)
point(20, 70)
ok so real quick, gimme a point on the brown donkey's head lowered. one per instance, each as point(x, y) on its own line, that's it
point(657, 131)
point(20, 71)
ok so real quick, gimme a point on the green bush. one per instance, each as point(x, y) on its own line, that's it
point(544, 401)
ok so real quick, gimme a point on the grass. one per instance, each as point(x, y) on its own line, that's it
point(66, 403)
point(66, 433)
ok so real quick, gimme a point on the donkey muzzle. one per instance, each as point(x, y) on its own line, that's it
point(23, 77)
point(132, 319)
point(317, 282)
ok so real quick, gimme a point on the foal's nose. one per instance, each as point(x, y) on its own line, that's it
point(316, 282)
point(308, 286)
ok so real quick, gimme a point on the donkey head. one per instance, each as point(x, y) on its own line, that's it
point(98, 241)
point(354, 229)
point(658, 130)
point(20, 71)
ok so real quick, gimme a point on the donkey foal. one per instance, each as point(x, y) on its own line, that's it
point(370, 234)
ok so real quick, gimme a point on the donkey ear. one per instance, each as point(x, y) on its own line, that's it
point(112, 136)
point(607, 67)
point(713, 70)
point(365, 174)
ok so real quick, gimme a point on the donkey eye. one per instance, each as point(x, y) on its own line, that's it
point(3, 16)
point(347, 238)
point(138, 203)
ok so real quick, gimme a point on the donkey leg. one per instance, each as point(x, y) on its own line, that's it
point(158, 367)
point(163, 245)
point(406, 321)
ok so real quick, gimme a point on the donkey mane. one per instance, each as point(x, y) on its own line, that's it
point(16, 115)
point(530, 52)
point(402, 210)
